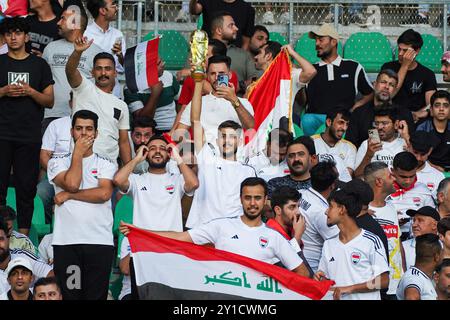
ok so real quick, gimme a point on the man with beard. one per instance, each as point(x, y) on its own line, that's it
point(39, 267)
point(56, 54)
point(142, 129)
point(331, 145)
point(443, 198)
point(241, 234)
point(157, 193)
point(362, 118)
point(421, 145)
point(20, 277)
point(337, 82)
point(379, 178)
point(445, 69)
point(112, 112)
point(259, 38)
point(301, 156)
point(82, 236)
point(219, 172)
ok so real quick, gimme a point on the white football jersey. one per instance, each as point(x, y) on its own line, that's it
point(415, 278)
point(430, 177)
point(386, 155)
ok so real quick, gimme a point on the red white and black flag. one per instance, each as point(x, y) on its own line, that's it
point(172, 269)
point(12, 8)
point(140, 65)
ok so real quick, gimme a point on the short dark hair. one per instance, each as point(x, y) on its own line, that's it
point(389, 72)
point(427, 246)
point(217, 20)
point(372, 168)
point(104, 55)
point(444, 264)
point(143, 122)
point(259, 27)
point(350, 199)
point(411, 38)
point(7, 213)
point(94, 7)
point(218, 47)
point(443, 225)
point(219, 59)
point(443, 185)
point(440, 94)
point(282, 195)
point(307, 141)
point(362, 188)
point(272, 47)
point(323, 175)
point(345, 114)
point(4, 227)
point(253, 181)
point(230, 124)
point(45, 282)
point(387, 112)
point(284, 137)
point(157, 137)
point(405, 161)
point(14, 24)
point(86, 115)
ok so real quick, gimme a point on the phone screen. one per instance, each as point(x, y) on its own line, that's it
point(222, 79)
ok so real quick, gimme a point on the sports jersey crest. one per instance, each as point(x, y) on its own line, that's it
point(170, 188)
point(263, 242)
point(355, 256)
point(94, 173)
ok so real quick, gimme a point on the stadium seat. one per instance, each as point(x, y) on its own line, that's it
point(278, 37)
point(38, 221)
point(431, 53)
point(306, 47)
point(173, 48)
point(370, 49)
point(123, 212)
point(11, 198)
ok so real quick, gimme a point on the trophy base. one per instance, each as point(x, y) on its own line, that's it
point(198, 76)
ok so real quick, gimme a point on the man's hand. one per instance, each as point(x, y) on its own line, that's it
point(83, 144)
point(299, 226)
point(403, 130)
point(372, 147)
point(228, 93)
point(408, 57)
point(82, 44)
point(141, 154)
point(61, 197)
point(339, 291)
point(320, 275)
point(289, 48)
point(182, 74)
point(117, 48)
point(174, 153)
point(124, 228)
point(419, 114)
point(36, 52)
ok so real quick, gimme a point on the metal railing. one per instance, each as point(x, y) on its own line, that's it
point(291, 18)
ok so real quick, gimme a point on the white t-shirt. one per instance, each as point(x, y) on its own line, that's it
point(40, 268)
point(416, 198)
point(157, 200)
point(386, 155)
point(125, 250)
point(57, 136)
point(313, 207)
point(387, 218)
point(260, 243)
point(415, 278)
point(358, 261)
point(214, 111)
point(219, 189)
point(343, 153)
point(430, 177)
point(4, 296)
point(112, 115)
point(46, 248)
point(265, 169)
point(79, 222)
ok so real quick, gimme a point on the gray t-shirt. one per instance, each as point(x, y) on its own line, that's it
point(56, 54)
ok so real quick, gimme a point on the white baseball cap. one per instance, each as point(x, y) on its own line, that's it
point(18, 262)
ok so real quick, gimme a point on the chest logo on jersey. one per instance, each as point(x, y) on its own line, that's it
point(355, 256)
point(94, 172)
point(17, 77)
point(263, 242)
point(170, 188)
point(416, 201)
point(430, 186)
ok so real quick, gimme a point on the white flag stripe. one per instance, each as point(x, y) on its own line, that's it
point(140, 66)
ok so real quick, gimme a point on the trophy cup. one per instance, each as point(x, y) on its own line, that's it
point(199, 50)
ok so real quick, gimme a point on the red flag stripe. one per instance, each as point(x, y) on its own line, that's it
point(142, 241)
point(152, 59)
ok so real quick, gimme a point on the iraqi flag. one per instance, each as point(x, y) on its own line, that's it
point(172, 269)
point(271, 98)
point(140, 65)
point(12, 8)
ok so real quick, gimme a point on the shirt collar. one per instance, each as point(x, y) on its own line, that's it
point(99, 29)
point(336, 62)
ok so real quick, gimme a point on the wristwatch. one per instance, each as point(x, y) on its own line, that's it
point(237, 103)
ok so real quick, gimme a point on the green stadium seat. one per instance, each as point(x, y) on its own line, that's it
point(173, 48)
point(11, 198)
point(38, 221)
point(431, 52)
point(278, 37)
point(370, 49)
point(321, 129)
point(306, 47)
point(123, 212)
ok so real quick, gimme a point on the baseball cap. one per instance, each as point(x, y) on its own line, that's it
point(424, 211)
point(7, 213)
point(446, 57)
point(325, 30)
point(422, 141)
point(18, 262)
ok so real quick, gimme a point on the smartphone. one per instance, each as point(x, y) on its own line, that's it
point(118, 40)
point(374, 136)
point(222, 80)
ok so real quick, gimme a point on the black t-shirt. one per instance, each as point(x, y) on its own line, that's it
point(41, 33)
point(20, 117)
point(242, 12)
point(417, 82)
point(362, 120)
point(336, 86)
point(287, 181)
point(441, 154)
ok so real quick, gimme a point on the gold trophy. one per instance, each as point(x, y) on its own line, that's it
point(199, 51)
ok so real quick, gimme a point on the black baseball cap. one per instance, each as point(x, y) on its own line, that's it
point(425, 211)
point(422, 141)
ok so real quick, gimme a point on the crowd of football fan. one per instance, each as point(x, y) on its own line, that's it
point(361, 197)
